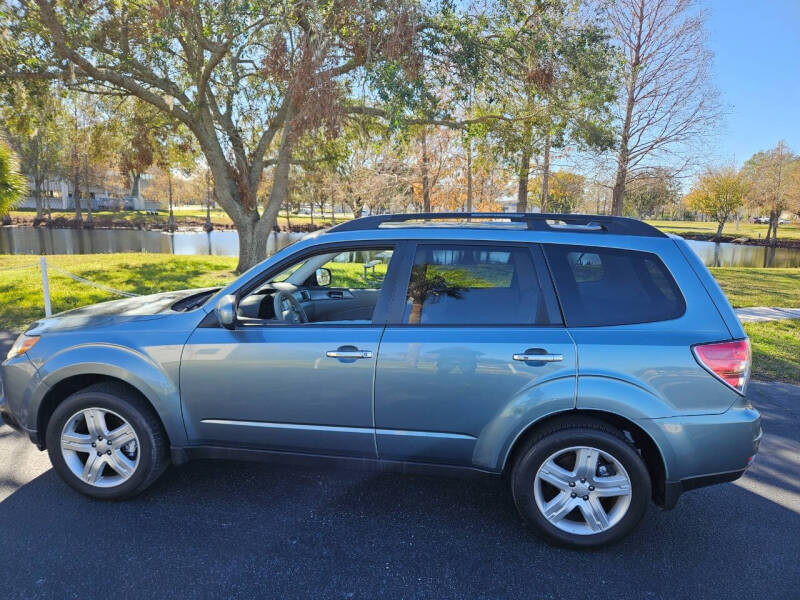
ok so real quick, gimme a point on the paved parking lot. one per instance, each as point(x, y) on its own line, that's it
point(230, 529)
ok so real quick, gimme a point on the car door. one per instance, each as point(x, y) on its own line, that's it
point(293, 387)
point(472, 341)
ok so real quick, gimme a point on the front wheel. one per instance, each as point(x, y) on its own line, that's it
point(106, 442)
point(581, 484)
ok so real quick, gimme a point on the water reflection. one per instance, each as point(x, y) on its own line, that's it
point(740, 255)
point(29, 240)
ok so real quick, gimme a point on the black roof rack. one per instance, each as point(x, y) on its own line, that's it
point(533, 221)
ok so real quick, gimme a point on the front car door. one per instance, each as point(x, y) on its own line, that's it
point(282, 384)
point(474, 348)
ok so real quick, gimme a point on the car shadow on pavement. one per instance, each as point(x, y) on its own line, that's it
point(249, 529)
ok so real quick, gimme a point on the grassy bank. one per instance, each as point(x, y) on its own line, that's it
point(776, 345)
point(749, 230)
point(184, 219)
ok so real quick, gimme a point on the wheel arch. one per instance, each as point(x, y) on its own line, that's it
point(641, 439)
point(81, 366)
point(64, 388)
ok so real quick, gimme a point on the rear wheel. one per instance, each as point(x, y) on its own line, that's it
point(581, 483)
point(107, 442)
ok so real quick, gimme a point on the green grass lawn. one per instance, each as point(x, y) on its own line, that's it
point(21, 289)
point(776, 345)
point(749, 230)
point(759, 287)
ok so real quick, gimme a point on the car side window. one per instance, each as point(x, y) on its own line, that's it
point(473, 285)
point(359, 269)
point(335, 286)
point(609, 286)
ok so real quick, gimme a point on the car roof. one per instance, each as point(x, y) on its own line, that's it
point(592, 230)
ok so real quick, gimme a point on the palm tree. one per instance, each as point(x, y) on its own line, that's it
point(13, 185)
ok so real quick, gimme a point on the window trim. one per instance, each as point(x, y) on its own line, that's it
point(543, 278)
point(598, 250)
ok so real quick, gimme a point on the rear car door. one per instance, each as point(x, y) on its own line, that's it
point(632, 324)
point(475, 331)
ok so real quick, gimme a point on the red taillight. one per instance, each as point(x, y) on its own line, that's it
point(730, 361)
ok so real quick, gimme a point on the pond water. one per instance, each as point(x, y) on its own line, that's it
point(29, 240)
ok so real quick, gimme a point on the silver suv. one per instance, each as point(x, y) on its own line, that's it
point(592, 360)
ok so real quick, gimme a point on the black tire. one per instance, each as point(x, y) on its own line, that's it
point(153, 447)
point(566, 434)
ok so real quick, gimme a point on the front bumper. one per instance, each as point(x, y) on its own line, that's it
point(18, 379)
point(6, 418)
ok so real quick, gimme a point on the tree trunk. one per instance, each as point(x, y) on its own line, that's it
point(76, 194)
point(333, 209)
point(546, 173)
point(37, 197)
point(720, 227)
point(774, 217)
point(171, 219)
point(469, 175)
point(426, 184)
point(135, 177)
point(252, 243)
point(618, 196)
point(522, 187)
point(618, 193)
point(89, 219)
point(524, 169)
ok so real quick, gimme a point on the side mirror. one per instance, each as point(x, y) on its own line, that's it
point(226, 311)
point(323, 277)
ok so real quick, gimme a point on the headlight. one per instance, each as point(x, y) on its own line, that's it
point(22, 345)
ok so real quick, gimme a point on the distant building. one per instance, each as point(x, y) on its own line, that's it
point(57, 194)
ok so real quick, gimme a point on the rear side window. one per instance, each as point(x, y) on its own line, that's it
point(606, 286)
point(473, 285)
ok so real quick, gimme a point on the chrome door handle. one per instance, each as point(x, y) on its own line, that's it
point(539, 357)
point(348, 354)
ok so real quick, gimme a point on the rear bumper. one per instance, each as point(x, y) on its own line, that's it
point(674, 489)
point(704, 450)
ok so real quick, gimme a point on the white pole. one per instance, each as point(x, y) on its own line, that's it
point(45, 287)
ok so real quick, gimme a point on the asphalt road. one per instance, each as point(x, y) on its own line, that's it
point(230, 529)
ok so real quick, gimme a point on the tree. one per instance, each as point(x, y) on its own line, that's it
point(34, 117)
point(173, 151)
point(655, 191)
point(718, 193)
point(667, 99)
point(552, 81)
point(247, 78)
point(13, 185)
point(774, 185)
point(565, 193)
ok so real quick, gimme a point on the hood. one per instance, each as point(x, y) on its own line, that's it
point(152, 304)
point(138, 308)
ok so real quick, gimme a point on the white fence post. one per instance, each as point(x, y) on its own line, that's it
point(45, 287)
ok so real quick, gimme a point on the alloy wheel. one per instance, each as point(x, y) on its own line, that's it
point(582, 490)
point(100, 447)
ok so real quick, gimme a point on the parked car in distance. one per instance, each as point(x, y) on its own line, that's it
point(591, 360)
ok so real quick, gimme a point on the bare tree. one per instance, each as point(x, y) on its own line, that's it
point(667, 101)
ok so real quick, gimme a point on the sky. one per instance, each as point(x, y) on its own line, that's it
point(756, 44)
